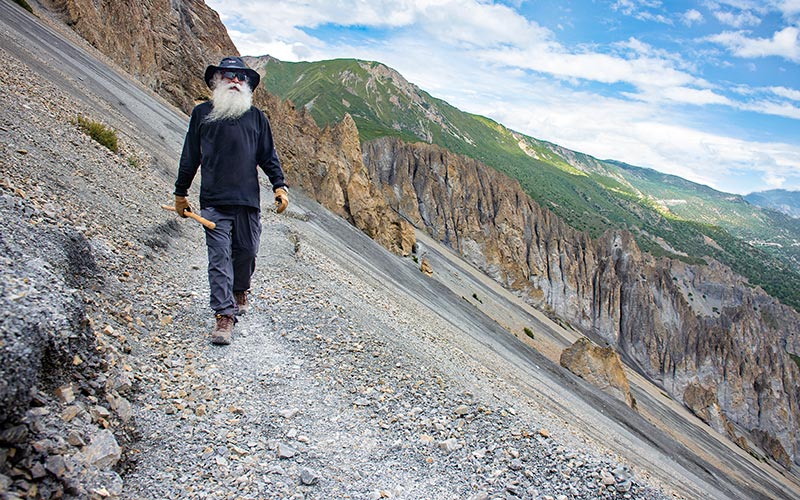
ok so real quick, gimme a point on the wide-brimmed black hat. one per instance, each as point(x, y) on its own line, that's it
point(233, 63)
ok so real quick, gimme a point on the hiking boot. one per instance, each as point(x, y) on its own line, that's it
point(222, 332)
point(241, 302)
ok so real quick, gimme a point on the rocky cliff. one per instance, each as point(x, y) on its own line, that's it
point(700, 332)
point(327, 165)
point(165, 44)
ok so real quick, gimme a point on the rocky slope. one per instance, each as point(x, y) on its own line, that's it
point(164, 44)
point(700, 332)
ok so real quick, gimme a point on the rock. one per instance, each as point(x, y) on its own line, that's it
point(154, 41)
point(103, 450)
point(600, 366)
point(308, 476)
point(425, 267)
point(75, 439)
point(14, 435)
point(56, 466)
point(449, 445)
point(65, 394)
point(327, 165)
point(285, 451)
point(289, 413)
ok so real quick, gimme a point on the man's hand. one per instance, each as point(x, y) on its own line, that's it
point(181, 205)
point(281, 200)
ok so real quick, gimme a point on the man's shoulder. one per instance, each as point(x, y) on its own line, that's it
point(256, 111)
point(202, 108)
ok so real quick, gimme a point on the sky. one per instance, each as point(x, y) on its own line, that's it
point(706, 90)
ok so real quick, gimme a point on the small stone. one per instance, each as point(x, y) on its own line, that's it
point(544, 433)
point(308, 476)
point(286, 451)
point(462, 410)
point(289, 413)
point(70, 412)
point(56, 466)
point(75, 439)
point(14, 435)
point(65, 394)
point(103, 451)
point(449, 445)
point(38, 471)
point(123, 408)
point(624, 486)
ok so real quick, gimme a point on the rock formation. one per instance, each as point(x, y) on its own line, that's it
point(600, 366)
point(326, 164)
point(164, 44)
point(702, 333)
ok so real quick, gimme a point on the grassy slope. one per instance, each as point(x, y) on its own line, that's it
point(589, 194)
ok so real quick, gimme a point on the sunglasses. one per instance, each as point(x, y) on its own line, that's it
point(230, 75)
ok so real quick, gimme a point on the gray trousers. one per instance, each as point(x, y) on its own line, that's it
point(232, 249)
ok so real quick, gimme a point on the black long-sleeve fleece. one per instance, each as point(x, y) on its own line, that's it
point(228, 153)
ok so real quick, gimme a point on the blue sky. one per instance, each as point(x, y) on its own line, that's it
point(707, 90)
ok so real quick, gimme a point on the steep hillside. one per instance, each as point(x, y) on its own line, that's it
point(668, 215)
point(699, 331)
point(164, 44)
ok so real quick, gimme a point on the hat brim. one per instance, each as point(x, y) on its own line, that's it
point(253, 78)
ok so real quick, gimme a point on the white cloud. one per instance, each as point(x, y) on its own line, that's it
point(790, 9)
point(737, 20)
point(642, 135)
point(784, 43)
point(691, 17)
point(783, 109)
point(792, 94)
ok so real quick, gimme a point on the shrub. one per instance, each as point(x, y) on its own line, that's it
point(528, 332)
point(103, 135)
point(475, 296)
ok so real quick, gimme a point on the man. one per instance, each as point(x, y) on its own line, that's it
point(228, 138)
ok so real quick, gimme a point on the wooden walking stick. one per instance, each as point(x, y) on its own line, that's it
point(194, 216)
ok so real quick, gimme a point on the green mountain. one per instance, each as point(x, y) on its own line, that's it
point(669, 215)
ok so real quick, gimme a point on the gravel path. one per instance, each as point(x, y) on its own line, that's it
point(333, 390)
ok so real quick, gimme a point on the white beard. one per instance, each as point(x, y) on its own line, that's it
point(230, 103)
